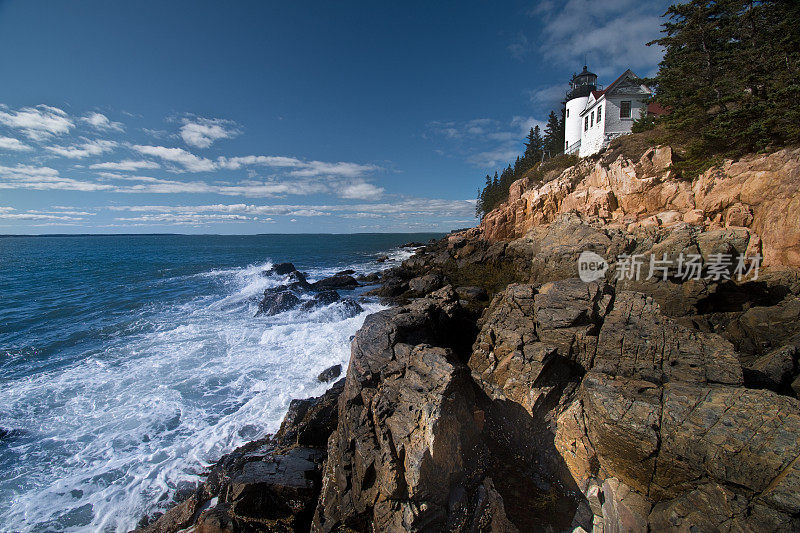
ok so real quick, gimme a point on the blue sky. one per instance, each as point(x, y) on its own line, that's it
point(267, 117)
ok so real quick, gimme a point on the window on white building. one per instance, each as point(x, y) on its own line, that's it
point(566, 145)
point(599, 113)
point(625, 109)
point(567, 113)
point(591, 121)
point(586, 124)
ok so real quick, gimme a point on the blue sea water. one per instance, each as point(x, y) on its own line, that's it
point(128, 364)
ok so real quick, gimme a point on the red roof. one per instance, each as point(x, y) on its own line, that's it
point(597, 94)
point(654, 108)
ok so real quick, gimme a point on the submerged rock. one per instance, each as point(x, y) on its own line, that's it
point(321, 299)
point(330, 373)
point(277, 302)
point(351, 308)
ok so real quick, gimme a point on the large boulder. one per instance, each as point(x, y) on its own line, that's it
point(425, 284)
point(407, 453)
point(637, 341)
point(339, 281)
point(281, 269)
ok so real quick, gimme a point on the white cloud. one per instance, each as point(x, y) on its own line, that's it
point(101, 122)
point(401, 209)
point(203, 132)
point(43, 178)
point(95, 147)
point(180, 156)
point(10, 143)
point(549, 96)
point(484, 142)
point(360, 191)
point(610, 34)
point(519, 47)
point(6, 214)
point(188, 219)
point(234, 163)
point(320, 168)
point(501, 156)
point(127, 164)
point(38, 123)
point(300, 168)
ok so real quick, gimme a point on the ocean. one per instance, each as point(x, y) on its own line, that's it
point(129, 364)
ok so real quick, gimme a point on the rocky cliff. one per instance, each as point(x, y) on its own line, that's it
point(502, 393)
point(758, 192)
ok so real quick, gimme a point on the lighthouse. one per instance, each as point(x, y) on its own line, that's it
point(581, 86)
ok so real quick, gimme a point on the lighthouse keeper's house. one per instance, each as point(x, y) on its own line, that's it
point(594, 116)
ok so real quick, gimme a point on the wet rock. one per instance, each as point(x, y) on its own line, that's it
point(271, 484)
point(277, 302)
point(344, 282)
point(382, 259)
point(372, 277)
point(309, 422)
point(179, 517)
point(321, 299)
point(389, 289)
point(346, 272)
point(7, 435)
point(266, 491)
point(351, 308)
point(281, 269)
point(330, 373)
point(297, 281)
point(412, 244)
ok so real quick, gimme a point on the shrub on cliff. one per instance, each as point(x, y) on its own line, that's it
point(731, 77)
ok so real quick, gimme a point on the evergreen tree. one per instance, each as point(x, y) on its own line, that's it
point(731, 75)
point(553, 139)
point(534, 144)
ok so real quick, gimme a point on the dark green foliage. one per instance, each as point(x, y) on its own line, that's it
point(730, 77)
point(644, 123)
point(538, 148)
point(554, 135)
point(534, 149)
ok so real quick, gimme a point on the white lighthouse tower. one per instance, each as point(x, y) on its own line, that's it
point(581, 86)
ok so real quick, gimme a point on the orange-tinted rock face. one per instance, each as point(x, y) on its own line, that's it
point(761, 193)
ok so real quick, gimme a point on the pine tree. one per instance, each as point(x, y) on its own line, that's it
point(552, 135)
point(731, 75)
point(534, 144)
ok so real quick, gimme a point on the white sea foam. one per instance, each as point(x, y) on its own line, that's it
point(124, 428)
